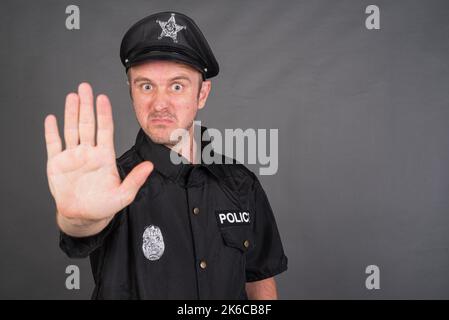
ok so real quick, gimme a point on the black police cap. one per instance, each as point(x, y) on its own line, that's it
point(168, 36)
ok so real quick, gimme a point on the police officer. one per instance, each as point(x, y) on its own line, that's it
point(155, 229)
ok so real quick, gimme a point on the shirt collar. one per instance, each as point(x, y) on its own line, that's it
point(159, 154)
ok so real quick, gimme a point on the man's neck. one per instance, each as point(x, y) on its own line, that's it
point(187, 147)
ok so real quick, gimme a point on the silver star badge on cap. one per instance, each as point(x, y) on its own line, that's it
point(170, 28)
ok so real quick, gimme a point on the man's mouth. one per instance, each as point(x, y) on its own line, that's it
point(161, 120)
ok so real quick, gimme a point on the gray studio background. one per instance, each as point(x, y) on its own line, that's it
point(363, 119)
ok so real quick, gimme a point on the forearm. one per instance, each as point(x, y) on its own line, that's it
point(79, 227)
point(262, 290)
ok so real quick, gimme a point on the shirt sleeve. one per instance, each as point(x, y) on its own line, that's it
point(267, 258)
point(75, 247)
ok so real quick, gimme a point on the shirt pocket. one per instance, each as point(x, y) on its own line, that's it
point(239, 238)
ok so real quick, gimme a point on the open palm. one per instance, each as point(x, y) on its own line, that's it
point(83, 178)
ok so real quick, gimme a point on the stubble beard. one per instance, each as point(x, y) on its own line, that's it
point(160, 134)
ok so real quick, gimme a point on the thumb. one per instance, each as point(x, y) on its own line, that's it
point(133, 181)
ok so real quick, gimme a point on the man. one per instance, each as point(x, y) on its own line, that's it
point(155, 229)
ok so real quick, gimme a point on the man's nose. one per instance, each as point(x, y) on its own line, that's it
point(160, 101)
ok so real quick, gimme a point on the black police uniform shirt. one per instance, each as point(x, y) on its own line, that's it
point(192, 232)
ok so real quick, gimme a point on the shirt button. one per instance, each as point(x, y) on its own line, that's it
point(203, 264)
point(196, 211)
point(246, 244)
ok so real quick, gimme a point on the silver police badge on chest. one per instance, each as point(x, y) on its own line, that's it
point(153, 243)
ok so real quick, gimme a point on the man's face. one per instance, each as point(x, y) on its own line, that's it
point(166, 96)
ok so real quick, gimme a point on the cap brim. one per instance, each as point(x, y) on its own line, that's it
point(162, 55)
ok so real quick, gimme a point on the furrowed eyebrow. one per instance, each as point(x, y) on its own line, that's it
point(144, 79)
point(141, 79)
point(180, 78)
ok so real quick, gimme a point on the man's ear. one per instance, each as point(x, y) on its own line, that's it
point(128, 82)
point(204, 93)
point(130, 92)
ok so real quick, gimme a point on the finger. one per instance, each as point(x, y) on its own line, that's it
point(105, 131)
point(52, 138)
point(133, 181)
point(87, 117)
point(71, 115)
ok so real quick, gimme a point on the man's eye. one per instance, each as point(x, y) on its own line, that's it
point(146, 86)
point(176, 87)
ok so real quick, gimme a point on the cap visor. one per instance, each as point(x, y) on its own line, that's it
point(161, 55)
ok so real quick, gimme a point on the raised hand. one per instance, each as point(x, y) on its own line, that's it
point(83, 178)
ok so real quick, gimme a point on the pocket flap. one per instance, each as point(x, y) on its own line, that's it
point(239, 238)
